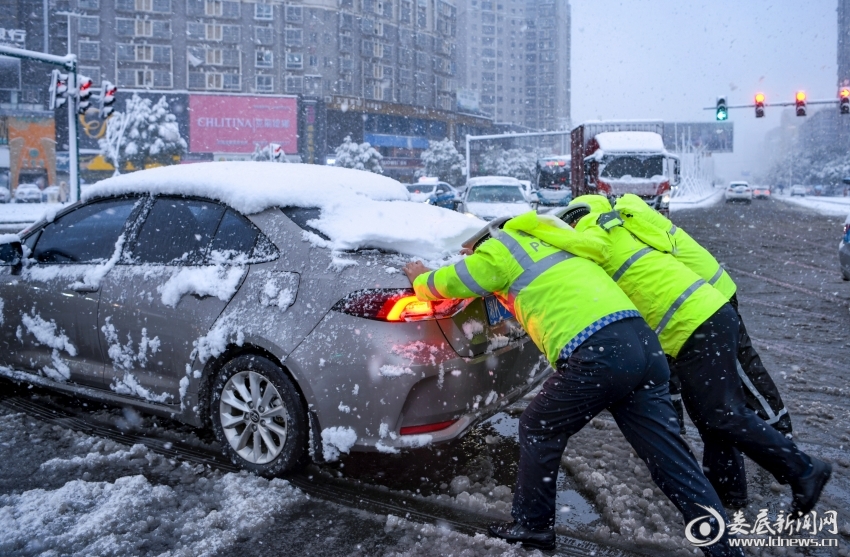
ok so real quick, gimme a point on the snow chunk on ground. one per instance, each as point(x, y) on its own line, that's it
point(388, 370)
point(336, 440)
point(216, 280)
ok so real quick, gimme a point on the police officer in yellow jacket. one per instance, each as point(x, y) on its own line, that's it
point(656, 230)
point(697, 329)
point(604, 355)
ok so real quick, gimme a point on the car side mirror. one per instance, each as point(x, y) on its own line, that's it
point(11, 253)
point(534, 204)
point(456, 203)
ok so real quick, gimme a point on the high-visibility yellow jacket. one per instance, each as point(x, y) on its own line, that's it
point(673, 299)
point(651, 226)
point(557, 295)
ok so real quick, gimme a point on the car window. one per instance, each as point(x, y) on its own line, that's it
point(86, 235)
point(302, 215)
point(177, 232)
point(442, 189)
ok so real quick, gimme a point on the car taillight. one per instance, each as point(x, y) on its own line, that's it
point(396, 305)
point(846, 229)
point(427, 428)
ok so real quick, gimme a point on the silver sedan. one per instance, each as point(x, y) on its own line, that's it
point(247, 322)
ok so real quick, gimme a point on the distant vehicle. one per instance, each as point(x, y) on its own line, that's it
point(50, 194)
point(844, 251)
point(613, 158)
point(488, 197)
point(27, 193)
point(552, 178)
point(761, 192)
point(798, 190)
point(5, 197)
point(433, 192)
point(739, 191)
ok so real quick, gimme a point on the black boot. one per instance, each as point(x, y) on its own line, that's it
point(513, 532)
point(807, 489)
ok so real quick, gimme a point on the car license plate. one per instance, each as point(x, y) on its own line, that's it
point(496, 311)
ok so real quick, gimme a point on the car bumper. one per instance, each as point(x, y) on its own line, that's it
point(739, 197)
point(377, 378)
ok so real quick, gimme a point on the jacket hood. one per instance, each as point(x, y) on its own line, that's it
point(650, 226)
point(555, 232)
point(597, 203)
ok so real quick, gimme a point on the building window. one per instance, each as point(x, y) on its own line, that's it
point(293, 14)
point(212, 8)
point(215, 81)
point(89, 50)
point(144, 28)
point(264, 12)
point(88, 4)
point(294, 84)
point(313, 61)
point(294, 61)
point(92, 72)
point(265, 84)
point(89, 26)
point(144, 5)
point(213, 32)
point(144, 53)
point(293, 37)
point(214, 56)
point(264, 35)
point(144, 78)
point(264, 59)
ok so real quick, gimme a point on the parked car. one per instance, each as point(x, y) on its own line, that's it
point(844, 251)
point(761, 192)
point(263, 300)
point(50, 194)
point(489, 197)
point(433, 192)
point(27, 193)
point(739, 191)
point(798, 190)
point(5, 197)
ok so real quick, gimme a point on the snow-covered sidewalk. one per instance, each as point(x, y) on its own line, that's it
point(837, 206)
point(17, 216)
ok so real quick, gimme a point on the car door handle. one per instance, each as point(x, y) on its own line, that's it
point(85, 288)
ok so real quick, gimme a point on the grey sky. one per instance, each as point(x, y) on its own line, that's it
point(666, 59)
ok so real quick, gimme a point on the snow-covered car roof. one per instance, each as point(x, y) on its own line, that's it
point(493, 181)
point(630, 142)
point(359, 209)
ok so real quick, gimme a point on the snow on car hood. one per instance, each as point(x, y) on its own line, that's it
point(358, 209)
point(494, 210)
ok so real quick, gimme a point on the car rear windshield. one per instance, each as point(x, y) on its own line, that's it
point(302, 215)
point(429, 188)
point(495, 194)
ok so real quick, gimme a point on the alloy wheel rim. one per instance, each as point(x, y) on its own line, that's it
point(253, 417)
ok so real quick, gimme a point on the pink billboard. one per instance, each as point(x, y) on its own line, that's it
point(236, 124)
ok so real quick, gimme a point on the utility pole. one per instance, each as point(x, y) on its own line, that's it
point(73, 149)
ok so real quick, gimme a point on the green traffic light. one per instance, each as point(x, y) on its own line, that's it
point(722, 115)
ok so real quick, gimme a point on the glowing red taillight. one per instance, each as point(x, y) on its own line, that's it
point(396, 305)
point(426, 428)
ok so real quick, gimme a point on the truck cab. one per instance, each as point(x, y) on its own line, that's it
point(614, 161)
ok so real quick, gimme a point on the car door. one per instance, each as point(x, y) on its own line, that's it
point(443, 196)
point(51, 303)
point(158, 307)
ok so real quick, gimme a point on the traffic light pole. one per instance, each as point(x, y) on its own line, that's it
point(69, 62)
point(826, 101)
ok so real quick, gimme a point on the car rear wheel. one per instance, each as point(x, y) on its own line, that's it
point(258, 417)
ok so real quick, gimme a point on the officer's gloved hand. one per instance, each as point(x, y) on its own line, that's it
point(783, 426)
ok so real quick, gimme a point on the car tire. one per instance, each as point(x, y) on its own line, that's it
point(845, 275)
point(258, 417)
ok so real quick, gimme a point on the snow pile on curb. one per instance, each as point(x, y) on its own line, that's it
point(835, 206)
point(696, 201)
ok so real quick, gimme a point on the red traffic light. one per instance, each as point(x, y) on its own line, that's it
point(844, 93)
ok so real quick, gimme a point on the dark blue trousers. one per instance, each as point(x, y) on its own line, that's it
point(714, 398)
point(621, 368)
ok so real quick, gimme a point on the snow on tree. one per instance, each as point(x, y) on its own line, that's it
point(261, 153)
point(143, 133)
point(360, 156)
point(517, 163)
point(442, 160)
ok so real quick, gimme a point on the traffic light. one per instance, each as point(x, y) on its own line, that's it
point(722, 112)
point(759, 105)
point(84, 91)
point(58, 89)
point(800, 103)
point(844, 100)
point(107, 99)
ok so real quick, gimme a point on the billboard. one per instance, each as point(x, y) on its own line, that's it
point(468, 100)
point(10, 73)
point(713, 137)
point(238, 123)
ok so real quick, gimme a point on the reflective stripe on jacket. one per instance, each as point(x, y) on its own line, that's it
point(645, 222)
point(673, 299)
point(559, 298)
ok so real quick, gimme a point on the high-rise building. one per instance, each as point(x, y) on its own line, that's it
point(514, 61)
point(843, 42)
